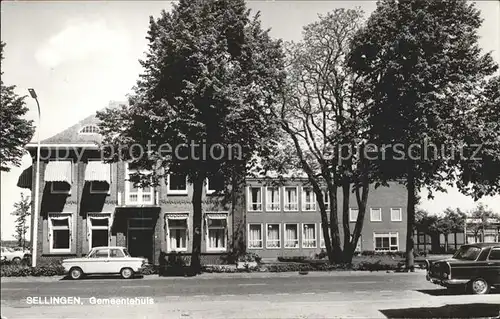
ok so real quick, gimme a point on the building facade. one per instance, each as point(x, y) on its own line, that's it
point(85, 203)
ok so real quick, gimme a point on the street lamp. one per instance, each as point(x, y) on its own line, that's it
point(34, 238)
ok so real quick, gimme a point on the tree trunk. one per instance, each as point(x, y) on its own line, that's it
point(455, 239)
point(346, 193)
point(238, 243)
point(197, 225)
point(334, 227)
point(361, 199)
point(446, 243)
point(411, 202)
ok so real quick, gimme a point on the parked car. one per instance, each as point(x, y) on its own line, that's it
point(475, 268)
point(15, 256)
point(104, 260)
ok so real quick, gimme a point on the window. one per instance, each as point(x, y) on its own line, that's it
point(177, 184)
point(291, 236)
point(116, 253)
point(60, 232)
point(386, 241)
point(255, 196)
point(135, 194)
point(215, 184)
point(273, 238)
point(291, 199)
point(89, 129)
point(100, 253)
point(255, 236)
point(326, 199)
point(308, 199)
point(375, 214)
point(217, 226)
point(60, 188)
point(353, 214)
point(396, 215)
point(273, 198)
point(309, 236)
point(494, 254)
point(98, 229)
point(97, 187)
point(177, 232)
point(321, 237)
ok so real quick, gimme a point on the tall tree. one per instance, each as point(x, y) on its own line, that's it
point(210, 73)
point(22, 209)
point(423, 70)
point(15, 131)
point(320, 116)
point(480, 220)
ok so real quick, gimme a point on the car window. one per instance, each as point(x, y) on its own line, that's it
point(125, 251)
point(467, 253)
point(494, 254)
point(116, 253)
point(100, 253)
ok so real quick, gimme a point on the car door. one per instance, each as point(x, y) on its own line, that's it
point(117, 259)
point(98, 262)
point(494, 266)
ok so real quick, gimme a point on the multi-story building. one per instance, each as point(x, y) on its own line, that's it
point(85, 202)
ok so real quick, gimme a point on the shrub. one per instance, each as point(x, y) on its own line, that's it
point(20, 270)
point(250, 257)
point(150, 270)
point(219, 269)
point(292, 258)
point(375, 266)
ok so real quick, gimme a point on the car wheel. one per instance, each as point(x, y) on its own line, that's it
point(76, 273)
point(479, 286)
point(126, 273)
point(16, 260)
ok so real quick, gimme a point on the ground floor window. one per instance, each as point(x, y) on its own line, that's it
point(358, 244)
point(309, 236)
point(273, 238)
point(216, 232)
point(291, 236)
point(177, 232)
point(255, 236)
point(386, 241)
point(321, 237)
point(98, 230)
point(60, 232)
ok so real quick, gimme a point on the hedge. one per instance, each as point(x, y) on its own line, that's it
point(24, 270)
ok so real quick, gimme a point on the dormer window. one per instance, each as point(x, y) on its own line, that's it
point(90, 129)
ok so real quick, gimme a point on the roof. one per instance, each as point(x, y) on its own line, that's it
point(72, 135)
point(483, 245)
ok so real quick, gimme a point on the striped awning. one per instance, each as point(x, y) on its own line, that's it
point(216, 215)
point(58, 171)
point(177, 216)
point(98, 172)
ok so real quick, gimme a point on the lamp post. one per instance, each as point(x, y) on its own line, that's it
point(34, 238)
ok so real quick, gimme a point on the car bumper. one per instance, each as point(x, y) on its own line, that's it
point(447, 282)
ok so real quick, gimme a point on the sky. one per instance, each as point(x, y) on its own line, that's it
point(80, 55)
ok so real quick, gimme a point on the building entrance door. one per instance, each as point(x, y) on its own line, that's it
point(140, 238)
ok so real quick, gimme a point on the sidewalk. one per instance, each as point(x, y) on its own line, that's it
point(208, 276)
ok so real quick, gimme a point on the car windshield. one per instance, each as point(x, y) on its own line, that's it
point(467, 253)
point(125, 251)
point(9, 249)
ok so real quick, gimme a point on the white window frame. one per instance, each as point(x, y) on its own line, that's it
point(207, 238)
point(139, 192)
point(51, 228)
point(314, 200)
point(383, 235)
point(279, 236)
point(261, 240)
point(94, 127)
point(351, 210)
point(371, 214)
point(269, 204)
point(326, 199)
point(285, 199)
point(173, 216)
point(209, 191)
point(285, 237)
point(322, 243)
point(90, 227)
point(315, 236)
point(250, 203)
point(176, 191)
point(400, 219)
point(92, 191)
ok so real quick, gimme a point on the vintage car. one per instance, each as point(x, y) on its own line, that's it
point(474, 268)
point(104, 260)
point(12, 255)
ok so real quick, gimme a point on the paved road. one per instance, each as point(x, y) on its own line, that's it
point(317, 295)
